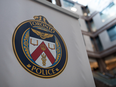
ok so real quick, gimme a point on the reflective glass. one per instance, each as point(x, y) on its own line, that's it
point(112, 33)
point(108, 12)
point(68, 3)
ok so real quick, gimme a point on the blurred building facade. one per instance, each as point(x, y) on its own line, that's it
point(98, 26)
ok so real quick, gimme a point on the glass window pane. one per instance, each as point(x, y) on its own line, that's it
point(68, 3)
point(108, 12)
point(112, 33)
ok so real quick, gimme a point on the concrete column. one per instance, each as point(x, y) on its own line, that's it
point(58, 3)
point(101, 65)
point(95, 45)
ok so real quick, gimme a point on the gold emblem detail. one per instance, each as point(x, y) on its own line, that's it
point(57, 69)
point(43, 59)
point(42, 35)
point(28, 65)
point(43, 47)
point(33, 43)
point(26, 38)
point(52, 48)
point(38, 18)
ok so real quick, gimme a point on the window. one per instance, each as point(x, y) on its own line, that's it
point(108, 12)
point(54, 2)
point(97, 45)
point(112, 33)
point(85, 11)
point(68, 3)
point(91, 26)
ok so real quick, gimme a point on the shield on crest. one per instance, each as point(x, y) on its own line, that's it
point(39, 48)
point(42, 47)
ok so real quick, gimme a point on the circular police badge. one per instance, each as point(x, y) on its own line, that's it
point(39, 48)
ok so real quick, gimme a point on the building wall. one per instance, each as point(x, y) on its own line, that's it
point(104, 37)
point(90, 9)
point(87, 40)
point(105, 40)
point(78, 8)
point(99, 21)
point(88, 43)
point(82, 24)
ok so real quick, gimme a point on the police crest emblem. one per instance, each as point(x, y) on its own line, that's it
point(39, 48)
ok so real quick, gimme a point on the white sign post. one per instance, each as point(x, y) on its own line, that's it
point(68, 67)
